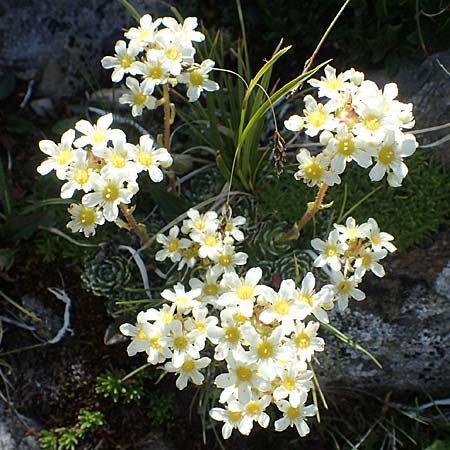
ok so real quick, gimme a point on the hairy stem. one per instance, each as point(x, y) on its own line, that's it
point(134, 226)
point(166, 138)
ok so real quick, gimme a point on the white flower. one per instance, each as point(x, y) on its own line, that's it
point(351, 231)
point(183, 344)
point(227, 258)
point(172, 245)
point(318, 117)
point(242, 377)
point(189, 370)
point(78, 175)
point(330, 251)
point(147, 157)
point(140, 97)
point(368, 260)
point(200, 324)
point(108, 193)
point(210, 288)
point(184, 301)
point(315, 169)
point(345, 148)
point(123, 59)
point(231, 416)
point(294, 123)
point(175, 53)
point(210, 242)
point(345, 288)
point(294, 415)
point(389, 157)
point(117, 158)
point(293, 384)
point(199, 222)
point(155, 70)
point(163, 317)
point(282, 306)
point(311, 302)
point(253, 411)
point(84, 219)
point(61, 155)
point(231, 228)
point(197, 80)
point(227, 338)
point(304, 341)
point(145, 33)
point(96, 135)
point(330, 86)
point(241, 292)
point(379, 239)
point(184, 33)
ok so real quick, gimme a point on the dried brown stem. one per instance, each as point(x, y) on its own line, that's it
point(134, 226)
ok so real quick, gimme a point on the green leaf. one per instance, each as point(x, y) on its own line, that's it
point(170, 204)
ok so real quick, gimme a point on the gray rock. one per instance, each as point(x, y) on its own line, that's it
point(60, 43)
point(404, 323)
point(13, 431)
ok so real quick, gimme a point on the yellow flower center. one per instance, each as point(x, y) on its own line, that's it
point(289, 383)
point(166, 318)
point(244, 292)
point(172, 54)
point(210, 289)
point(331, 250)
point(154, 342)
point(140, 334)
point(196, 78)
point(182, 300)
point(265, 350)
point(333, 85)
point(110, 192)
point(239, 318)
point(139, 98)
point(386, 155)
point(211, 241)
point(346, 147)
point(144, 158)
point(125, 61)
point(234, 416)
point(180, 342)
point(225, 260)
point(302, 340)
point(200, 326)
point(155, 72)
point(281, 307)
point(98, 136)
point(366, 260)
point(313, 171)
point(305, 298)
point(292, 413)
point(81, 176)
point(318, 117)
point(229, 227)
point(63, 157)
point(244, 373)
point(343, 286)
point(252, 408)
point(117, 160)
point(144, 34)
point(376, 239)
point(372, 123)
point(188, 365)
point(173, 246)
point(87, 216)
point(199, 224)
point(232, 335)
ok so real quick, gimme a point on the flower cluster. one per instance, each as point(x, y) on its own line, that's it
point(359, 122)
point(350, 251)
point(207, 241)
point(265, 338)
point(104, 166)
point(159, 52)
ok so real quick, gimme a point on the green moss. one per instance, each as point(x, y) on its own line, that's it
point(412, 212)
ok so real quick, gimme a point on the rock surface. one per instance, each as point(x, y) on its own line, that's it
point(404, 323)
point(13, 431)
point(59, 44)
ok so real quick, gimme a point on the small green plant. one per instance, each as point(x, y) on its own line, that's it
point(68, 438)
point(113, 387)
